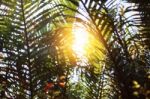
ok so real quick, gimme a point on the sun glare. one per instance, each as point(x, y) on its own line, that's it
point(85, 44)
point(80, 41)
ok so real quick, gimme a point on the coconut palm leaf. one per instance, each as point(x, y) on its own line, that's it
point(113, 27)
point(23, 26)
point(35, 46)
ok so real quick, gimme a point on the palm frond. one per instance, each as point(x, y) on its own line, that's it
point(23, 25)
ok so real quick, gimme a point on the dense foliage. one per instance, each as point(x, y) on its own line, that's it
point(37, 59)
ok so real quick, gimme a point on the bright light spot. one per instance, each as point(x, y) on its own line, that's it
point(85, 46)
point(74, 76)
point(80, 41)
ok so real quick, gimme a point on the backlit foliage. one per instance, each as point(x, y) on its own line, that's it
point(74, 49)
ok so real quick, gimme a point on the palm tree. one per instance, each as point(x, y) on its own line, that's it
point(34, 37)
point(118, 32)
point(29, 61)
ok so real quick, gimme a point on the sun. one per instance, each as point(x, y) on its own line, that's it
point(81, 39)
point(86, 44)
